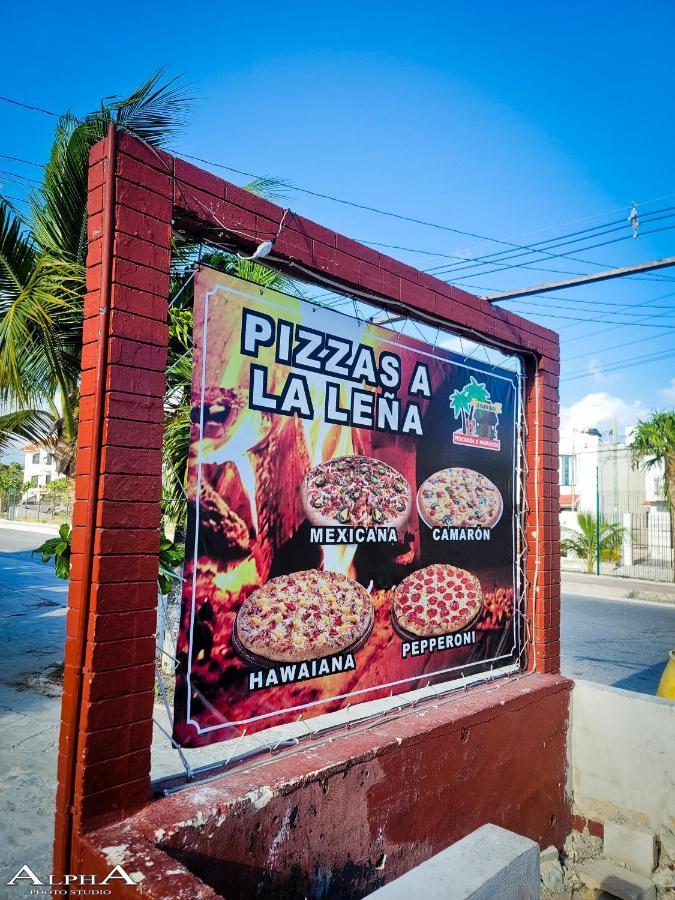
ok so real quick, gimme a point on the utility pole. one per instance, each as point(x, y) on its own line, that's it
point(597, 518)
point(582, 279)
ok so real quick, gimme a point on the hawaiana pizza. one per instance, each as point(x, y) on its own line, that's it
point(355, 490)
point(304, 616)
point(438, 599)
point(459, 497)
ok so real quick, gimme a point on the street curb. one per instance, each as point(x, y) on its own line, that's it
point(29, 526)
point(617, 593)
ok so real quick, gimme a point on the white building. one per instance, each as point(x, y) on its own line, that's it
point(39, 467)
point(595, 473)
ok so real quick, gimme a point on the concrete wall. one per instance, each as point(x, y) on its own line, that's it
point(337, 820)
point(623, 756)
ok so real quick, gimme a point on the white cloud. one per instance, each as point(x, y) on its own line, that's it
point(600, 410)
point(668, 393)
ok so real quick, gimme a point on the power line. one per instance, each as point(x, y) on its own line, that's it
point(47, 112)
point(17, 178)
point(365, 207)
point(618, 309)
point(614, 327)
point(562, 255)
point(20, 159)
point(626, 364)
point(497, 259)
point(557, 315)
point(16, 199)
point(596, 303)
point(621, 346)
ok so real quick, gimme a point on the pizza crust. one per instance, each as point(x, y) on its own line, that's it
point(303, 616)
point(386, 476)
point(438, 599)
point(465, 492)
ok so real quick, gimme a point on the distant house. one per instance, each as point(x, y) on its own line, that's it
point(595, 473)
point(39, 467)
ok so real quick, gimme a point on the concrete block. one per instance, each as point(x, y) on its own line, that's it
point(667, 841)
point(552, 877)
point(488, 863)
point(631, 846)
point(550, 854)
point(664, 879)
point(599, 875)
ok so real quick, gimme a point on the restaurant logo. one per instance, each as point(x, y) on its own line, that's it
point(479, 416)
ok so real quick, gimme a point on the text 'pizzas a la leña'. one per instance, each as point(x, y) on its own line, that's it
point(355, 490)
point(459, 497)
point(439, 599)
point(303, 616)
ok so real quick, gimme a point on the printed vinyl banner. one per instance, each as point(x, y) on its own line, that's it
point(352, 517)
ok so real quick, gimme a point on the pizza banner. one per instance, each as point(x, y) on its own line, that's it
point(352, 514)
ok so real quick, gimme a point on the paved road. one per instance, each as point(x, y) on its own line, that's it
point(32, 628)
point(624, 643)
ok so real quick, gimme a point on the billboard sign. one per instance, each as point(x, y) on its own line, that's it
point(352, 513)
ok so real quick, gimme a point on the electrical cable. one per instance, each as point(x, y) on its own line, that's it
point(659, 356)
point(622, 346)
point(334, 199)
point(483, 238)
point(562, 255)
point(20, 159)
point(47, 112)
point(15, 199)
point(606, 228)
point(18, 175)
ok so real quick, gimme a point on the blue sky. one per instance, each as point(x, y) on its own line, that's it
point(499, 119)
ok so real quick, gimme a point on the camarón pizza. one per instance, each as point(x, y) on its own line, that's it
point(303, 616)
point(355, 490)
point(459, 497)
point(438, 599)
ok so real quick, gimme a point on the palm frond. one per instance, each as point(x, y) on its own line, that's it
point(32, 352)
point(654, 439)
point(32, 425)
point(17, 252)
point(275, 189)
point(59, 205)
point(156, 111)
point(176, 449)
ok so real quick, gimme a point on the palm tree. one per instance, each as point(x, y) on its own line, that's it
point(42, 285)
point(460, 404)
point(583, 543)
point(654, 443)
point(477, 393)
point(42, 258)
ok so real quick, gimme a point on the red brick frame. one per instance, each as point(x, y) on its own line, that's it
point(136, 196)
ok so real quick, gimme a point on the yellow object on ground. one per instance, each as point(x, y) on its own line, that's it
point(666, 686)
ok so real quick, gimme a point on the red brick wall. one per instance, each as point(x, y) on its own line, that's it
point(108, 695)
point(135, 193)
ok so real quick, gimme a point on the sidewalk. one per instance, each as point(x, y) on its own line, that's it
point(617, 588)
point(37, 527)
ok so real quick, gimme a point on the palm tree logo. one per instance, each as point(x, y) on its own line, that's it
point(460, 404)
point(465, 402)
